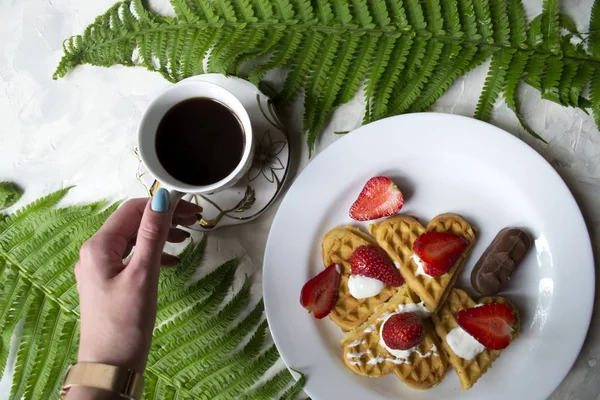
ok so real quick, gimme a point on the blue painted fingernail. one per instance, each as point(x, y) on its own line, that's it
point(160, 201)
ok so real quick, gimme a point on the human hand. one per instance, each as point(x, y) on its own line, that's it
point(118, 298)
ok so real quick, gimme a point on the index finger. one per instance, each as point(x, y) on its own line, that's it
point(125, 222)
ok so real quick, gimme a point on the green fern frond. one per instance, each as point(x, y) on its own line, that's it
point(551, 79)
point(535, 35)
point(31, 211)
point(433, 16)
point(381, 58)
point(494, 84)
point(270, 389)
point(360, 13)
point(389, 78)
point(397, 15)
point(416, 78)
point(330, 47)
point(445, 75)
point(518, 24)
point(295, 390)
point(9, 194)
point(514, 76)
point(284, 51)
point(595, 95)
point(307, 52)
point(269, 38)
point(499, 12)
point(332, 85)
point(583, 76)
point(551, 26)
point(184, 322)
point(566, 22)
point(414, 14)
point(354, 76)
point(317, 78)
point(484, 20)
point(197, 335)
point(256, 370)
point(594, 34)
point(214, 351)
point(381, 17)
point(198, 332)
point(451, 18)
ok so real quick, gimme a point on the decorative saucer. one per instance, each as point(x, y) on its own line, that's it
point(256, 191)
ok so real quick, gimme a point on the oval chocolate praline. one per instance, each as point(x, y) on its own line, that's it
point(495, 267)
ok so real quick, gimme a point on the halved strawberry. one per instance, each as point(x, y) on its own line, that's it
point(403, 331)
point(490, 324)
point(371, 261)
point(320, 293)
point(439, 251)
point(379, 198)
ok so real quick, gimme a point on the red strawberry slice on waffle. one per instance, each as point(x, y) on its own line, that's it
point(371, 261)
point(320, 293)
point(490, 324)
point(439, 251)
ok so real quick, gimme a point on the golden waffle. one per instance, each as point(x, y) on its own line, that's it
point(362, 353)
point(469, 371)
point(396, 236)
point(338, 246)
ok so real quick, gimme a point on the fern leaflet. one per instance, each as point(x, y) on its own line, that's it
point(494, 83)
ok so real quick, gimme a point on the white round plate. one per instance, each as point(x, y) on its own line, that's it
point(442, 163)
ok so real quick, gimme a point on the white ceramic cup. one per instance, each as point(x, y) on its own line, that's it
point(157, 110)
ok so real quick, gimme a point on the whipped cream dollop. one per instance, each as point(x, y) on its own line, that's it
point(362, 287)
point(417, 308)
point(420, 265)
point(462, 344)
point(370, 328)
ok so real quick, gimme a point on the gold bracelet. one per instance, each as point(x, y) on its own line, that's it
point(129, 384)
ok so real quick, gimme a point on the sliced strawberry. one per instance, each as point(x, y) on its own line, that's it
point(320, 293)
point(439, 251)
point(371, 261)
point(379, 198)
point(403, 331)
point(490, 324)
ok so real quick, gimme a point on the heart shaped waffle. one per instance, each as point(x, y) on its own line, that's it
point(338, 246)
point(363, 354)
point(469, 371)
point(397, 235)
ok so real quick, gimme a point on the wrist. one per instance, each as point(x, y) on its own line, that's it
point(101, 381)
point(129, 360)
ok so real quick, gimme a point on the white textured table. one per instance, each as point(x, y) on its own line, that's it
point(81, 131)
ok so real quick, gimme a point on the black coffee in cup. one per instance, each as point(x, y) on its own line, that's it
point(200, 141)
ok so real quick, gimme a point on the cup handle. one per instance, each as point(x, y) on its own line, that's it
point(174, 197)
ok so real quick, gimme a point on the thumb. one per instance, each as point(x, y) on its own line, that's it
point(152, 234)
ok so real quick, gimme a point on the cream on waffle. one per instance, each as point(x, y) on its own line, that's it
point(397, 235)
point(338, 246)
point(469, 371)
point(421, 369)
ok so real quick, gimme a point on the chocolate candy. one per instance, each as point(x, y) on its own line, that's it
point(493, 270)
